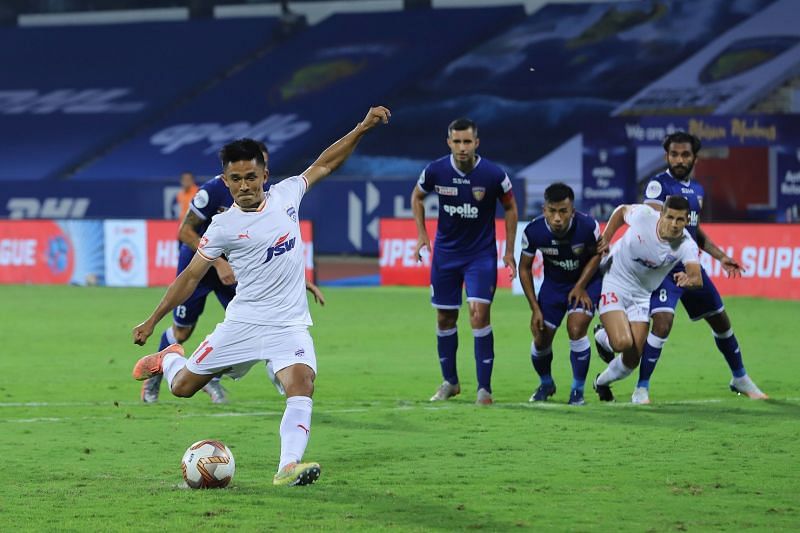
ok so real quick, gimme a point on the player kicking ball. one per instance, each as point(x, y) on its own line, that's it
point(268, 319)
point(652, 246)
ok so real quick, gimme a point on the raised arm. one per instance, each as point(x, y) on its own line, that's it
point(337, 153)
point(177, 293)
point(511, 217)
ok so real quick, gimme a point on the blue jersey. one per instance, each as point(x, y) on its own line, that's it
point(564, 257)
point(467, 204)
point(664, 185)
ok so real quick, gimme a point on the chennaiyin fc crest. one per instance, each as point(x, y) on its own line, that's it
point(478, 193)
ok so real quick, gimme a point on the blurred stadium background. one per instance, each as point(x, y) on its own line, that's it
point(104, 104)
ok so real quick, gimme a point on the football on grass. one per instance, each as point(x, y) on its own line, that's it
point(208, 464)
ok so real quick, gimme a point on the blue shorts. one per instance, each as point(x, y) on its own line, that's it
point(188, 313)
point(449, 274)
point(699, 303)
point(552, 300)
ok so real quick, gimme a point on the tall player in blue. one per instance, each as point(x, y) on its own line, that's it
point(212, 198)
point(567, 240)
point(681, 154)
point(465, 251)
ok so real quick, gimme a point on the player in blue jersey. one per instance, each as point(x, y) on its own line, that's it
point(681, 154)
point(465, 251)
point(212, 198)
point(568, 241)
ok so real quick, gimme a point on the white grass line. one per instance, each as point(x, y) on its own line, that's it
point(375, 405)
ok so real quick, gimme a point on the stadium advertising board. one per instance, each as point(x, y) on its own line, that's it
point(119, 253)
point(398, 266)
point(787, 169)
point(50, 252)
point(83, 199)
point(771, 258)
point(163, 245)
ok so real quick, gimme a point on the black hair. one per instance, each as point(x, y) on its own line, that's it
point(677, 202)
point(682, 137)
point(461, 124)
point(558, 192)
point(262, 147)
point(241, 150)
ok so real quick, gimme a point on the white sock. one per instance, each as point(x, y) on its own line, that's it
point(295, 427)
point(171, 365)
point(602, 338)
point(616, 371)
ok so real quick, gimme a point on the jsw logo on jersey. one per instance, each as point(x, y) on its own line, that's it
point(464, 210)
point(281, 246)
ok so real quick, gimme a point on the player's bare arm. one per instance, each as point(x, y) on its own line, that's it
point(177, 293)
point(418, 209)
point(337, 153)
point(731, 267)
point(616, 221)
point(188, 236)
point(511, 217)
point(526, 280)
point(691, 279)
point(578, 294)
point(316, 292)
point(186, 233)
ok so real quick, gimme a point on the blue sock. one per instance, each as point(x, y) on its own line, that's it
point(484, 356)
point(447, 345)
point(165, 338)
point(650, 355)
point(729, 346)
point(579, 351)
point(542, 363)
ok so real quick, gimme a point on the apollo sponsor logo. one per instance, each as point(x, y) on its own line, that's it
point(275, 130)
point(68, 101)
point(464, 210)
point(17, 252)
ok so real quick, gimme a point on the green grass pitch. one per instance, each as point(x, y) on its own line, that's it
point(81, 453)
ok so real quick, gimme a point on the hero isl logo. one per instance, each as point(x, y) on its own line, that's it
point(126, 258)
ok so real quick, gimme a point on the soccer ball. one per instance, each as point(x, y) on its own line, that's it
point(208, 464)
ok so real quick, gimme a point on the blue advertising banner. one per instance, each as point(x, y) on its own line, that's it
point(76, 89)
point(609, 179)
point(303, 95)
point(74, 200)
point(787, 168)
point(346, 212)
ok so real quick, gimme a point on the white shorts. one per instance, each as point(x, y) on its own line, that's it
point(234, 347)
point(615, 296)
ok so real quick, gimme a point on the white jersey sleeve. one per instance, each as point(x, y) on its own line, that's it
point(688, 252)
point(213, 242)
point(293, 188)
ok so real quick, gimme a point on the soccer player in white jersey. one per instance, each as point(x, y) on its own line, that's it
point(268, 318)
point(653, 244)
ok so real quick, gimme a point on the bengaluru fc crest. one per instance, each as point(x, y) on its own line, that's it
point(478, 193)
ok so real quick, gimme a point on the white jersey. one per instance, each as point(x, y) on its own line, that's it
point(641, 259)
point(265, 250)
